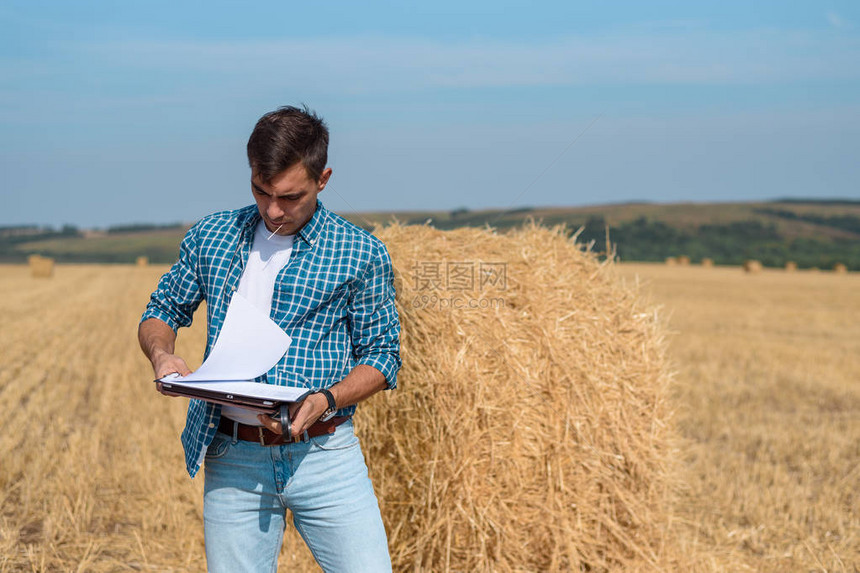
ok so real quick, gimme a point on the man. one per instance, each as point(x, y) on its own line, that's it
point(329, 285)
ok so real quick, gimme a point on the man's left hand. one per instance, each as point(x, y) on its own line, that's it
point(302, 415)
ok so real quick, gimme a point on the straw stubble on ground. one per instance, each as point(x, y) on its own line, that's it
point(769, 410)
point(91, 477)
point(531, 433)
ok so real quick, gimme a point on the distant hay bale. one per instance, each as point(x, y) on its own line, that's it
point(684, 261)
point(791, 266)
point(752, 266)
point(41, 267)
point(142, 261)
point(707, 263)
point(530, 429)
point(840, 268)
point(671, 261)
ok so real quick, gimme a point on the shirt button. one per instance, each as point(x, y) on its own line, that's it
point(211, 424)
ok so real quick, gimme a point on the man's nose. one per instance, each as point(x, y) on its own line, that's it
point(274, 210)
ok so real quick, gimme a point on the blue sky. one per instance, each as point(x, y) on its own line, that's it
point(114, 113)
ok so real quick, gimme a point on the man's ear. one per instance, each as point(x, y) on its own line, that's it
point(323, 180)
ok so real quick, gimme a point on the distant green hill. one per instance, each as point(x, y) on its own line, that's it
point(70, 245)
point(813, 233)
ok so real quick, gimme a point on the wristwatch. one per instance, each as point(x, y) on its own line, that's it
point(332, 407)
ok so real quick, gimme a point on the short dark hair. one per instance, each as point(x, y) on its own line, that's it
point(287, 136)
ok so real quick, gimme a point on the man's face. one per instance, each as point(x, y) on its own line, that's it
point(289, 200)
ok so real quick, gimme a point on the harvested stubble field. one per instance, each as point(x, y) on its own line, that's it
point(757, 469)
point(768, 407)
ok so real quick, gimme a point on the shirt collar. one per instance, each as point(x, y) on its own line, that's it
point(311, 230)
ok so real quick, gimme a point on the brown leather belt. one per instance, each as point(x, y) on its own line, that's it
point(266, 437)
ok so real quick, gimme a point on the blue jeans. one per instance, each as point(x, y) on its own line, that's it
point(324, 482)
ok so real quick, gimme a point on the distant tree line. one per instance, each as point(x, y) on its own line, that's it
point(642, 239)
point(12, 236)
point(811, 201)
point(849, 223)
point(25, 233)
point(645, 240)
point(154, 254)
point(143, 228)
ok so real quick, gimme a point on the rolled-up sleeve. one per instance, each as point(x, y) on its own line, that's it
point(178, 293)
point(374, 324)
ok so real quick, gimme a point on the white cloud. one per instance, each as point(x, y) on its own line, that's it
point(102, 77)
point(837, 21)
point(377, 64)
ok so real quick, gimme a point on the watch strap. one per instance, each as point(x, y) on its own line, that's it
point(332, 405)
point(286, 423)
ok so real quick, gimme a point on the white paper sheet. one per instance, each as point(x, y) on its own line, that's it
point(249, 344)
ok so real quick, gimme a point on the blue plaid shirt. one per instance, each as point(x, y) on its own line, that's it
point(335, 298)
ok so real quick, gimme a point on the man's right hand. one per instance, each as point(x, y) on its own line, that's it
point(164, 363)
point(157, 342)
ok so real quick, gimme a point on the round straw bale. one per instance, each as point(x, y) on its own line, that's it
point(41, 267)
point(752, 266)
point(791, 266)
point(840, 268)
point(530, 428)
point(671, 261)
point(684, 261)
point(707, 263)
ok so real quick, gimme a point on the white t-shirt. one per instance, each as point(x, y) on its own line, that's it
point(269, 254)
